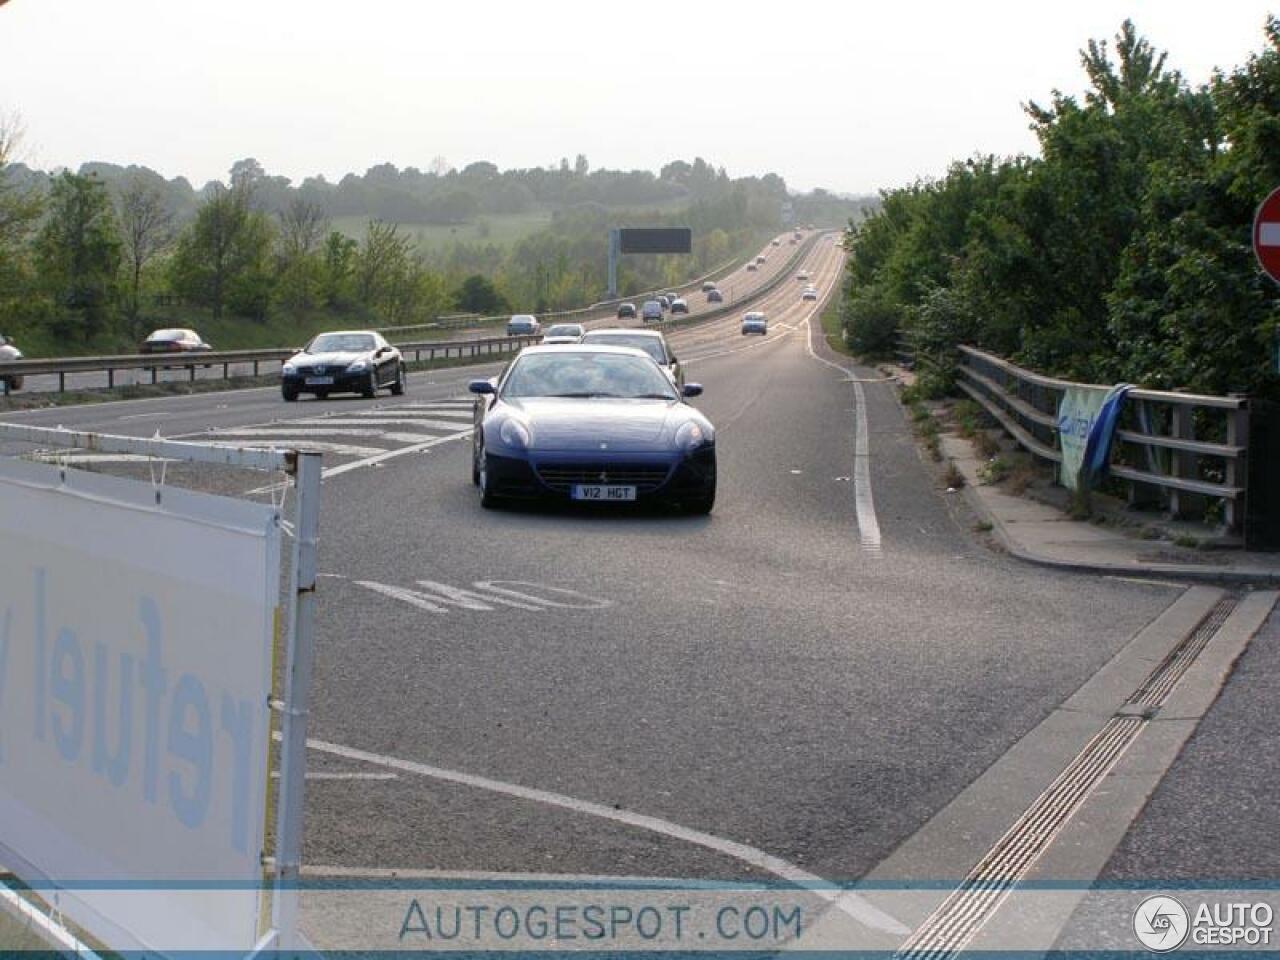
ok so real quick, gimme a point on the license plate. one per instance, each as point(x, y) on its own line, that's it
point(601, 491)
point(319, 381)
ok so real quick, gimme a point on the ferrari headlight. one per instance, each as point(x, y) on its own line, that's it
point(358, 367)
point(690, 436)
point(513, 433)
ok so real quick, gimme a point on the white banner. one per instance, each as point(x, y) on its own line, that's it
point(135, 666)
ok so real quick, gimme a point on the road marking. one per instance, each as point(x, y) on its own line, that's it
point(848, 901)
point(385, 422)
point(337, 471)
point(146, 416)
point(863, 499)
point(392, 454)
point(436, 597)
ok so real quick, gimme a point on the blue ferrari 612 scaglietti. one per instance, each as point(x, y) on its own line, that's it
point(594, 424)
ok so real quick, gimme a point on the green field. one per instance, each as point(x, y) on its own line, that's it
point(501, 231)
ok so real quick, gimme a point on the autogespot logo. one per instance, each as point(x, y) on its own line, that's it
point(1161, 923)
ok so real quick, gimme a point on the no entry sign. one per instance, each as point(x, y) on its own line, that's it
point(1266, 235)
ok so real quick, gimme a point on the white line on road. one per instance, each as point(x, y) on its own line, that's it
point(388, 421)
point(328, 472)
point(849, 902)
point(863, 500)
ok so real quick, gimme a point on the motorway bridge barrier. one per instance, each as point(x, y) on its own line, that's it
point(1183, 452)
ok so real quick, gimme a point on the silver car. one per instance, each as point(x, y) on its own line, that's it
point(754, 322)
point(564, 333)
point(651, 342)
point(523, 325)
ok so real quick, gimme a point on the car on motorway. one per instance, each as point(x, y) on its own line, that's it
point(809, 293)
point(761, 259)
point(754, 322)
point(523, 325)
point(592, 424)
point(751, 265)
point(708, 286)
point(651, 342)
point(174, 340)
point(343, 361)
point(803, 275)
point(8, 353)
point(777, 242)
point(663, 299)
point(715, 296)
point(626, 311)
point(653, 311)
point(678, 305)
point(564, 333)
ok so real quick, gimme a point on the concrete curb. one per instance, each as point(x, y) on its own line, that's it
point(1205, 573)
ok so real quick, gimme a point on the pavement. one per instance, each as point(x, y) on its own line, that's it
point(1043, 534)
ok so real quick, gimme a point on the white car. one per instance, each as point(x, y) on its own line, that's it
point(754, 322)
point(564, 333)
point(810, 293)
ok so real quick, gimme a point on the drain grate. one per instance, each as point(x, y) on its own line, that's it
point(1165, 677)
point(958, 919)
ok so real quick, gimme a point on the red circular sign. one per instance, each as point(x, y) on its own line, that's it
point(1266, 235)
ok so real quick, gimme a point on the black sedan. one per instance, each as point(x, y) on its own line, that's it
point(593, 424)
point(348, 361)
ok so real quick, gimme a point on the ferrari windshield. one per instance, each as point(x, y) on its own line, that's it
point(341, 343)
point(587, 375)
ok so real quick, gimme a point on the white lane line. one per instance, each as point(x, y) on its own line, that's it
point(431, 411)
point(392, 454)
point(849, 901)
point(337, 471)
point(298, 432)
point(863, 499)
point(437, 405)
point(384, 422)
point(146, 416)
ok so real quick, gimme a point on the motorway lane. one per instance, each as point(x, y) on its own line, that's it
point(757, 675)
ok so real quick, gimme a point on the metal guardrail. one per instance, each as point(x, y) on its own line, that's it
point(1180, 451)
point(154, 363)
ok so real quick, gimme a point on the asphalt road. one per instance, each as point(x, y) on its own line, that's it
point(770, 675)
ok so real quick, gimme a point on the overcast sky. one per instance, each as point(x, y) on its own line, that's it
point(847, 95)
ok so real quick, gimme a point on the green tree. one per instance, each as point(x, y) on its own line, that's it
point(77, 255)
point(222, 257)
point(146, 228)
point(478, 295)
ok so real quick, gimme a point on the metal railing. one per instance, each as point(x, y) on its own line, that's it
point(1183, 452)
point(246, 360)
